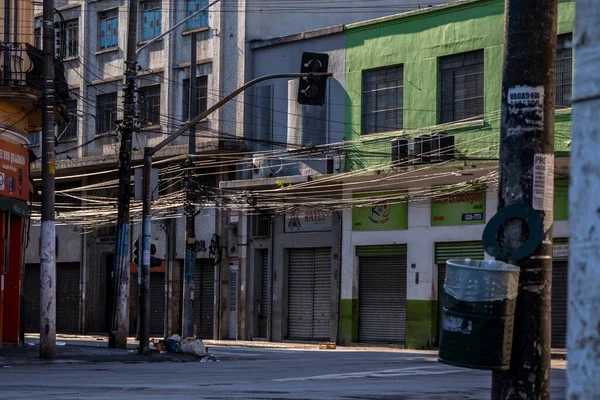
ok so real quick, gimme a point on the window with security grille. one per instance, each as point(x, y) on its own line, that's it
point(108, 32)
point(201, 97)
point(70, 44)
point(382, 99)
point(151, 19)
point(564, 70)
point(150, 106)
point(68, 130)
point(201, 19)
point(106, 113)
point(461, 86)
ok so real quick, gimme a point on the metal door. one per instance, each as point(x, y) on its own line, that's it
point(204, 291)
point(233, 285)
point(263, 310)
point(560, 276)
point(309, 294)
point(67, 298)
point(157, 303)
point(31, 294)
point(382, 294)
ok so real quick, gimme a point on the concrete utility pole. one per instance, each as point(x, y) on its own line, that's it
point(144, 296)
point(583, 337)
point(190, 225)
point(118, 334)
point(48, 240)
point(527, 179)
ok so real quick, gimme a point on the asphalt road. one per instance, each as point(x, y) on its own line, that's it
point(261, 373)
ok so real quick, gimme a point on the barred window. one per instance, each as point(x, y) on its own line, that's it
point(106, 113)
point(201, 97)
point(564, 70)
point(150, 106)
point(461, 86)
point(70, 44)
point(382, 99)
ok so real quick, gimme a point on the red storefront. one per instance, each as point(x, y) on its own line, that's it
point(14, 194)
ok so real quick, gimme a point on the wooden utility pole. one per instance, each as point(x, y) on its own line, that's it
point(48, 245)
point(527, 179)
point(118, 334)
point(583, 337)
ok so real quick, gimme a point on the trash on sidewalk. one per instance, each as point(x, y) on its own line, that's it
point(174, 344)
point(61, 343)
point(191, 346)
point(209, 358)
point(327, 346)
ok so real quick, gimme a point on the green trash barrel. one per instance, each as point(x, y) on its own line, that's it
point(478, 315)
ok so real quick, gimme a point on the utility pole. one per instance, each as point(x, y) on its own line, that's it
point(190, 225)
point(527, 180)
point(118, 334)
point(48, 245)
point(583, 334)
point(144, 296)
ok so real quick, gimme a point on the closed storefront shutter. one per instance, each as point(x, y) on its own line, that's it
point(560, 280)
point(309, 294)
point(447, 251)
point(204, 290)
point(382, 294)
point(67, 298)
point(31, 293)
point(157, 303)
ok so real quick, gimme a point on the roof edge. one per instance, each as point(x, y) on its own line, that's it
point(408, 14)
point(331, 30)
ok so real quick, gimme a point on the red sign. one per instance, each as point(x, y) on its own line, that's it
point(14, 171)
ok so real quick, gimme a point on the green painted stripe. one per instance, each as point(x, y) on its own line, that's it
point(387, 250)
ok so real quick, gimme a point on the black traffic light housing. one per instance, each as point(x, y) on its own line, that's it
point(311, 90)
point(136, 251)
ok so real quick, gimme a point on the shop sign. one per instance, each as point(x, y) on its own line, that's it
point(458, 209)
point(14, 171)
point(386, 215)
point(307, 220)
point(560, 251)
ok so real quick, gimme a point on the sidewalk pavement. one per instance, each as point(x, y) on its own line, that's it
point(77, 349)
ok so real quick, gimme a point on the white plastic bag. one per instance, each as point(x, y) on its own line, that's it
point(196, 347)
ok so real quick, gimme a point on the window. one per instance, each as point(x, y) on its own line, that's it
point(37, 34)
point(68, 130)
point(201, 96)
point(108, 29)
point(70, 44)
point(34, 138)
point(199, 20)
point(564, 68)
point(106, 113)
point(461, 86)
point(151, 19)
point(382, 99)
point(150, 106)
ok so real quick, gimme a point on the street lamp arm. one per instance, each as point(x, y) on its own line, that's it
point(223, 101)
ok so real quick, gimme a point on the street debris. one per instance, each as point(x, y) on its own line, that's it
point(174, 344)
point(327, 346)
point(209, 358)
point(61, 343)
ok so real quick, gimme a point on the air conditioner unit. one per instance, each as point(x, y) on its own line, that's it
point(262, 167)
point(423, 149)
point(334, 164)
point(399, 151)
point(443, 147)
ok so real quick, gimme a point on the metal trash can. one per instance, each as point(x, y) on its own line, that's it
point(478, 315)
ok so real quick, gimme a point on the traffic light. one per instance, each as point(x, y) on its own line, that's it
point(154, 261)
point(311, 90)
point(136, 251)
